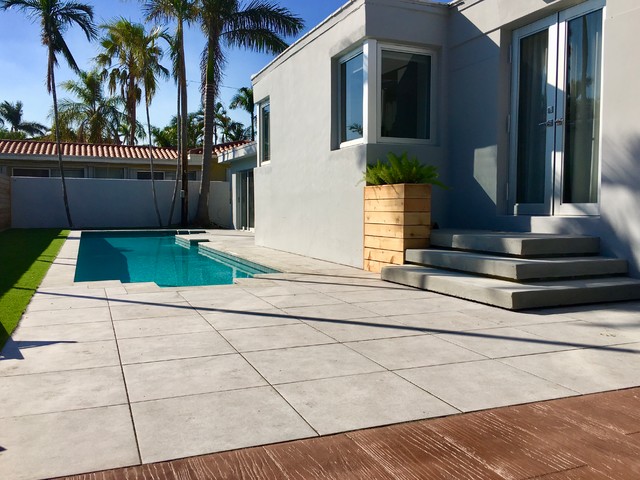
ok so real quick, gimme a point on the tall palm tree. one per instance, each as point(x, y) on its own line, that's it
point(55, 16)
point(123, 45)
point(95, 115)
point(258, 26)
point(244, 100)
point(12, 113)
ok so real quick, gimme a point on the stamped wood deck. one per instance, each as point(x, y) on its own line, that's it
point(588, 437)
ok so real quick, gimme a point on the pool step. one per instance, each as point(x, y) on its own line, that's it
point(187, 240)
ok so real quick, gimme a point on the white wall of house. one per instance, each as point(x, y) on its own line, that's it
point(309, 196)
point(105, 203)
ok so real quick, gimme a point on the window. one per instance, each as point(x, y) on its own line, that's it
point(405, 97)
point(147, 175)
point(264, 132)
point(351, 84)
point(68, 172)
point(108, 172)
point(30, 172)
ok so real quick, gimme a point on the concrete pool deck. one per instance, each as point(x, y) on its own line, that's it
point(104, 375)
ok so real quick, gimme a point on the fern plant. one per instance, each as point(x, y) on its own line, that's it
point(401, 169)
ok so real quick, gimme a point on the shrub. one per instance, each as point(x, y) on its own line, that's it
point(401, 169)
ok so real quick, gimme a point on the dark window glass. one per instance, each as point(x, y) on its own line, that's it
point(406, 95)
point(30, 172)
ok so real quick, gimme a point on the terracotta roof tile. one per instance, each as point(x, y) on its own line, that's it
point(221, 147)
point(32, 147)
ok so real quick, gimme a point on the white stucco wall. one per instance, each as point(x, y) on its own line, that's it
point(309, 197)
point(103, 203)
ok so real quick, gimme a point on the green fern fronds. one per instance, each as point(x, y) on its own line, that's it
point(401, 169)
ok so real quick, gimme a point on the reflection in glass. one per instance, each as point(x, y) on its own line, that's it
point(265, 133)
point(351, 98)
point(406, 95)
point(582, 115)
point(532, 115)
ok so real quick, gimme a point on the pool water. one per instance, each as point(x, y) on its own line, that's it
point(154, 257)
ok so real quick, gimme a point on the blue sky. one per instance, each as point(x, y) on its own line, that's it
point(23, 59)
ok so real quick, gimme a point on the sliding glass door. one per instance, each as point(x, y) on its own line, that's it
point(555, 152)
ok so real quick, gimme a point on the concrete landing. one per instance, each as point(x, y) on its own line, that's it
point(512, 295)
point(518, 268)
point(518, 244)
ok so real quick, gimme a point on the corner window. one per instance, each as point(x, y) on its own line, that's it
point(264, 132)
point(405, 95)
point(351, 85)
point(108, 172)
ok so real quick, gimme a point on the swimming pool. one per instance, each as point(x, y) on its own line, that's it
point(155, 257)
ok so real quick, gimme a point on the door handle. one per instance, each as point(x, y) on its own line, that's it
point(559, 121)
point(548, 123)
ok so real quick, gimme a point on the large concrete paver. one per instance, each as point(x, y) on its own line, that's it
point(196, 424)
point(348, 403)
point(69, 332)
point(153, 327)
point(249, 319)
point(64, 443)
point(52, 356)
point(61, 391)
point(586, 370)
point(483, 384)
point(60, 317)
point(268, 338)
point(189, 376)
point(409, 352)
point(171, 347)
point(309, 363)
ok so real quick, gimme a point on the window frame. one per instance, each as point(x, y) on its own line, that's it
point(266, 102)
point(432, 94)
point(353, 53)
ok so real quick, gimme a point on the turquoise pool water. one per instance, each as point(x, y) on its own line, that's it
point(154, 257)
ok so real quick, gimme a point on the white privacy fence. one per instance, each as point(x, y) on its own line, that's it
point(107, 203)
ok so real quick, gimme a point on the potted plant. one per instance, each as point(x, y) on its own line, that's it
point(397, 209)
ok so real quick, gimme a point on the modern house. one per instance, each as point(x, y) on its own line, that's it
point(526, 107)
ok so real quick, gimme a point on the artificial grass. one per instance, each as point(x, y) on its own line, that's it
point(25, 258)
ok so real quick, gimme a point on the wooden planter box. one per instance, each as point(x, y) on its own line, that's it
point(396, 217)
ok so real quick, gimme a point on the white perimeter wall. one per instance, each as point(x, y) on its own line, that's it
point(107, 203)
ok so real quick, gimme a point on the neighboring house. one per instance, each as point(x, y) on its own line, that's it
point(30, 158)
point(526, 106)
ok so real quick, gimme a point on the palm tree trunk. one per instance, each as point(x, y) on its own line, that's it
point(131, 107)
point(180, 147)
point(202, 213)
point(58, 146)
point(153, 180)
point(184, 135)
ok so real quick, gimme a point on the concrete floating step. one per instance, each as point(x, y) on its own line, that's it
point(513, 295)
point(517, 268)
point(517, 244)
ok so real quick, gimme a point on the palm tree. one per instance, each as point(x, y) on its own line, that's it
point(123, 45)
point(95, 115)
point(55, 16)
point(180, 11)
point(244, 100)
point(11, 113)
point(259, 27)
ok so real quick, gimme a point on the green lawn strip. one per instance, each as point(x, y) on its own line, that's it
point(25, 258)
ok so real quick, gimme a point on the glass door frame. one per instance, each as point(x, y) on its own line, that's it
point(557, 26)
